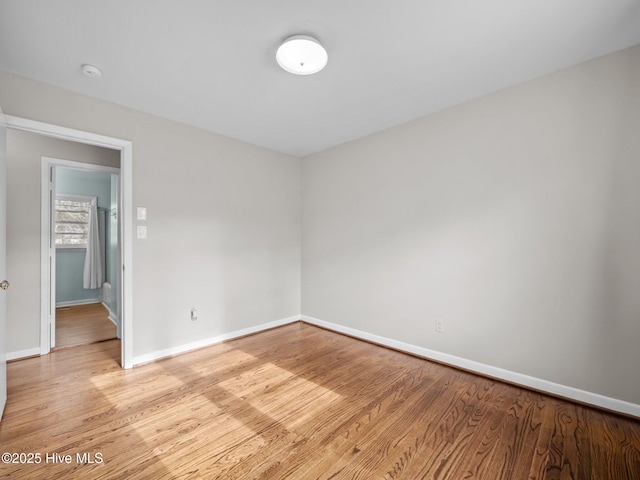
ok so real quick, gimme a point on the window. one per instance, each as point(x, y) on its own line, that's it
point(72, 220)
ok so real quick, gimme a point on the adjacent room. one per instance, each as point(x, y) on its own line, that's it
point(86, 256)
point(269, 240)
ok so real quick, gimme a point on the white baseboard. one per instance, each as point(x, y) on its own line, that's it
point(30, 352)
point(112, 316)
point(74, 303)
point(488, 370)
point(167, 352)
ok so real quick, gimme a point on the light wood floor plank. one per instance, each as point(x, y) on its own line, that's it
point(298, 402)
point(83, 324)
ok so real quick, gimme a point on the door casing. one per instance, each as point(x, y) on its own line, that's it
point(47, 243)
point(3, 261)
point(126, 232)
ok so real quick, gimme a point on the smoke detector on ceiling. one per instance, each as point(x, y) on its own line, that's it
point(91, 71)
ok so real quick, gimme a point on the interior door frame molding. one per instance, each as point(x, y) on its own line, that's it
point(126, 233)
point(48, 263)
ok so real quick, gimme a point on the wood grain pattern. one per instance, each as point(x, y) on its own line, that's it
point(83, 324)
point(299, 402)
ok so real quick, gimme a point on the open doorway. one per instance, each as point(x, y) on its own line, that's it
point(84, 253)
point(23, 300)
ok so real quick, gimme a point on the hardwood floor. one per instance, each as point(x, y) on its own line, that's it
point(298, 402)
point(82, 324)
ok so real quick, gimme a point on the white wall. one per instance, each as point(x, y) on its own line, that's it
point(515, 218)
point(223, 221)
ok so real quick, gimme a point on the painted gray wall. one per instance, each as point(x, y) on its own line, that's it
point(70, 262)
point(24, 153)
point(515, 218)
point(224, 223)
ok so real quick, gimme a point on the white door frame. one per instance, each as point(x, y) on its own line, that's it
point(126, 232)
point(3, 258)
point(48, 248)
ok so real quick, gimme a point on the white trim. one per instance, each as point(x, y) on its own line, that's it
point(64, 133)
point(167, 352)
point(491, 371)
point(31, 352)
point(3, 260)
point(125, 291)
point(47, 256)
point(49, 250)
point(112, 316)
point(86, 167)
point(74, 303)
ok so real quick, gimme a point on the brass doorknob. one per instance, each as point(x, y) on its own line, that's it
point(4, 285)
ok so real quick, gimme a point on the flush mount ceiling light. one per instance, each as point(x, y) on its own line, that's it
point(302, 55)
point(91, 71)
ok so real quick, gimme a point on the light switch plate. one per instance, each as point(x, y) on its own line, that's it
point(142, 213)
point(142, 232)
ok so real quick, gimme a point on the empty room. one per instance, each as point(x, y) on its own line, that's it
point(320, 240)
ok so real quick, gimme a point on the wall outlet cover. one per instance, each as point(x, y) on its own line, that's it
point(142, 232)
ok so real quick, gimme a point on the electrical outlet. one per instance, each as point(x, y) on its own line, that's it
point(194, 314)
point(440, 325)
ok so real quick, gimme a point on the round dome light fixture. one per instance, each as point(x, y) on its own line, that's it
point(91, 71)
point(301, 55)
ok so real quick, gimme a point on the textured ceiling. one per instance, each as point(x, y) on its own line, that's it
point(211, 63)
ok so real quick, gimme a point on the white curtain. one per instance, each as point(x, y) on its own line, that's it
point(94, 259)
